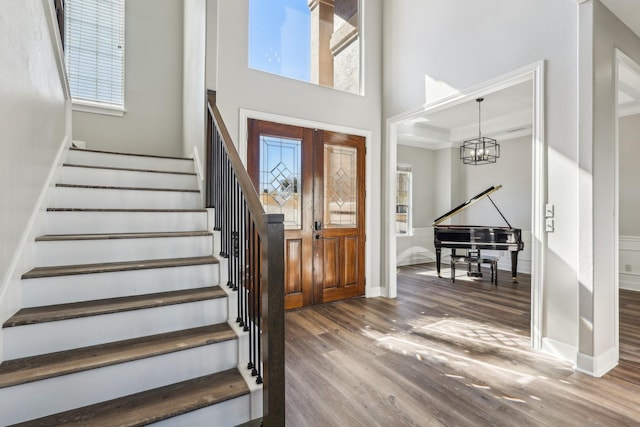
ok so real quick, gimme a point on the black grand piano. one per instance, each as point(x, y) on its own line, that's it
point(475, 237)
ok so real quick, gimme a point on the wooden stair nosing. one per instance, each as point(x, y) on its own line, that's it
point(35, 368)
point(115, 236)
point(68, 270)
point(114, 187)
point(75, 165)
point(75, 310)
point(153, 156)
point(153, 405)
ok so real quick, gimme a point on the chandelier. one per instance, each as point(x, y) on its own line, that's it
point(480, 150)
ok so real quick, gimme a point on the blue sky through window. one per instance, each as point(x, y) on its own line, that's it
point(280, 37)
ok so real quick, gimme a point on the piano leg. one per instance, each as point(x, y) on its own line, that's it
point(514, 266)
point(438, 259)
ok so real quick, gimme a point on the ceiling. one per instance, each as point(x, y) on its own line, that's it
point(628, 11)
point(506, 114)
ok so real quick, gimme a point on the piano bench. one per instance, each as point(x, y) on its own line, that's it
point(473, 259)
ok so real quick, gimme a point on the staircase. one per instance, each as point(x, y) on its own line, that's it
point(123, 321)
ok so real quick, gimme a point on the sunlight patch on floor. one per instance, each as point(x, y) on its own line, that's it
point(406, 347)
point(461, 275)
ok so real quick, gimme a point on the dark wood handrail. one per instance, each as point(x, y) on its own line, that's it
point(253, 202)
point(59, 8)
point(250, 237)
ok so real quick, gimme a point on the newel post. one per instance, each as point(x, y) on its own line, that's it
point(273, 321)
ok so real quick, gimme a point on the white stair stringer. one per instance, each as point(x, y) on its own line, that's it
point(255, 389)
point(96, 385)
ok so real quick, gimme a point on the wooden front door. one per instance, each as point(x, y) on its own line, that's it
point(317, 180)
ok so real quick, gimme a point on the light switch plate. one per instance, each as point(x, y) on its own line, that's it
point(548, 210)
point(548, 225)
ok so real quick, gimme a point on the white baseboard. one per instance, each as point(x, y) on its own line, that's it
point(629, 282)
point(559, 349)
point(373, 291)
point(629, 268)
point(599, 365)
point(24, 255)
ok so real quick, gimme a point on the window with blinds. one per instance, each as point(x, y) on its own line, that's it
point(94, 51)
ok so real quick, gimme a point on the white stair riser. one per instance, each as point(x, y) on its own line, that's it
point(86, 287)
point(79, 157)
point(98, 198)
point(229, 413)
point(125, 178)
point(72, 252)
point(41, 398)
point(48, 337)
point(79, 222)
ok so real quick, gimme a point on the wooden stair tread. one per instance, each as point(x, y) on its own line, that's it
point(153, 405)
point(108, 236)
point(154, 156)
point(121, 210)
point(75, 165)
point(115, 187)
point(28, 369)
point(109, 267)
point(51, 313)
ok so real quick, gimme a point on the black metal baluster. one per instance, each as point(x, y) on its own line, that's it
point(258, 320)
point(218, 184)
point(251, 285)
point(223, 209)
point(245, 264)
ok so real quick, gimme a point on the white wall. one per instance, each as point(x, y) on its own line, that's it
point(434, 48)
point(629, 230)
point(211, 60)
point(598, 270)
point(153, 85)
point(33, 112)
point(513, 171)
point(418, 247)
point(193, 120)
point(433, 197)
point(239, 87)
point(629, 140)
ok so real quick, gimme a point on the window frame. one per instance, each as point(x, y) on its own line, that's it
point(96, 106)
point(406, 170)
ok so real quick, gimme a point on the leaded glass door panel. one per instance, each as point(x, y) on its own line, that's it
point(316, 180)
point(339, 204)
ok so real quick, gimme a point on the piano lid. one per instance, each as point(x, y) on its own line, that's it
point(466, 204)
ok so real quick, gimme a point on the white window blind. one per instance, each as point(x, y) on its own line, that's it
point(94, 50)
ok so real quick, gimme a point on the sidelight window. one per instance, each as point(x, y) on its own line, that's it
point(403, 200)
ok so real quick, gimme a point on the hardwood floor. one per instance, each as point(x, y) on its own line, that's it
point(441, 354)
point(630, 326)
